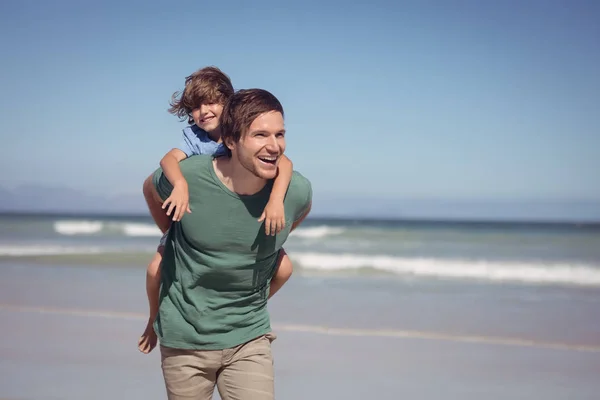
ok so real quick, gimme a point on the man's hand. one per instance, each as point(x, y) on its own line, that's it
point(274, 217)
point(178, 201)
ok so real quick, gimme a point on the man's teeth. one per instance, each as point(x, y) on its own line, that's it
point(268, 160)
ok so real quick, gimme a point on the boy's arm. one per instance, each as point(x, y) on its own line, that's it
point(282, 180)
point(179, 198)
point(274, 213)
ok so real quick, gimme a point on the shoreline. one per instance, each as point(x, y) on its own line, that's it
point(350, 338)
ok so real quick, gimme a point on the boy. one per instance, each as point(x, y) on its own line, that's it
point(201, 102)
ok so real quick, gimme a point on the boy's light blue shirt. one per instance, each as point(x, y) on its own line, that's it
point(196, 141)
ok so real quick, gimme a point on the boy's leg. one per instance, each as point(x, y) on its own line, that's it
point(282, 274)
point(148, 340)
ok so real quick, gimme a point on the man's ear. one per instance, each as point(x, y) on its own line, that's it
point(228, 142)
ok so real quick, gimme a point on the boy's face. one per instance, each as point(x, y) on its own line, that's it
point(207, 116)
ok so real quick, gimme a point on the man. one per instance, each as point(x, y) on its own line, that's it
point(213, 324)
point(201, 103)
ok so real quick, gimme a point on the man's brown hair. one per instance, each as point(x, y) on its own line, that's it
point(241, 109)
point(205, 86)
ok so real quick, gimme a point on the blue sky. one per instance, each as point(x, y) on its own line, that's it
point(435, 100)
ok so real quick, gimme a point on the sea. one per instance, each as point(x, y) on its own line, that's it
point(375, 308)
point(488, 253)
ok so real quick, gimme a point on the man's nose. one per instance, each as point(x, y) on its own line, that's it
point(272, 144)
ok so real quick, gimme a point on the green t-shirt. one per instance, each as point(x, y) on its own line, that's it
point(218, 261)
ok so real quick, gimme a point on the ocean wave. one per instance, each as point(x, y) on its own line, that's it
point(87, 227)
point(141, 230)
point(493, 271)
point(78, 227)
point(133, 229)
point(316, 232)
point(46, 250)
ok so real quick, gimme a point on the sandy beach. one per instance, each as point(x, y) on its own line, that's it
point(70, 333)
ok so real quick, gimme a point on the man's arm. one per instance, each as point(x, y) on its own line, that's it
point(179, 198)
point(283, 272)
point(155, 203)
point(284, 268)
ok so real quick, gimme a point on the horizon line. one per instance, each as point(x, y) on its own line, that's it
point(334, 218)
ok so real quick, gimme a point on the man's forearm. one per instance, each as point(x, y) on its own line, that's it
point(159, 215)
point(282, 181)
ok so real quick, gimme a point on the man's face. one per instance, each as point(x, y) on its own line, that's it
point(261, 147)
point(207, 116)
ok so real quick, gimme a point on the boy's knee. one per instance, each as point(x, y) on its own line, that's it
point(148, 182)
point(286, 267)
point(147, 188)
point(153, 269)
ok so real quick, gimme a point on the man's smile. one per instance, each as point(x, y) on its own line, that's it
point(270, 160)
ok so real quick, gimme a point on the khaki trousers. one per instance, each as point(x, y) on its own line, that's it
point(244, 372)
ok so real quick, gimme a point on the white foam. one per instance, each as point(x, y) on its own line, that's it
point(316, 232)
point(78, 227)
point(85, 227)
point(131, 229)
point(577, 274)
point(39, 250)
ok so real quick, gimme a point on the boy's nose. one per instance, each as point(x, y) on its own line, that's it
point(204, 110)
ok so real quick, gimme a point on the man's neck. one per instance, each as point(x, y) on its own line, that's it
point(237, 178)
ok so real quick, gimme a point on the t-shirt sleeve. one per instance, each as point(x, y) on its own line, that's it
point(188, 143)
point(161, 184)
point(301, 195)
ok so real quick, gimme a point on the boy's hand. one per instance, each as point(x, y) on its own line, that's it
point(274, 218)
point(178, 200)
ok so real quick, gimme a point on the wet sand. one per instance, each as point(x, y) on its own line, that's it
point(71, 333)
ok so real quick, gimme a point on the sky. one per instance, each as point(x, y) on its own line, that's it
point(386, 102)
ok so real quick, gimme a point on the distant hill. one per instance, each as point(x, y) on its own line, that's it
point(37, 198)
point(51, 199)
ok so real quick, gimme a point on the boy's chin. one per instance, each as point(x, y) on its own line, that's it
point(210, 127)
